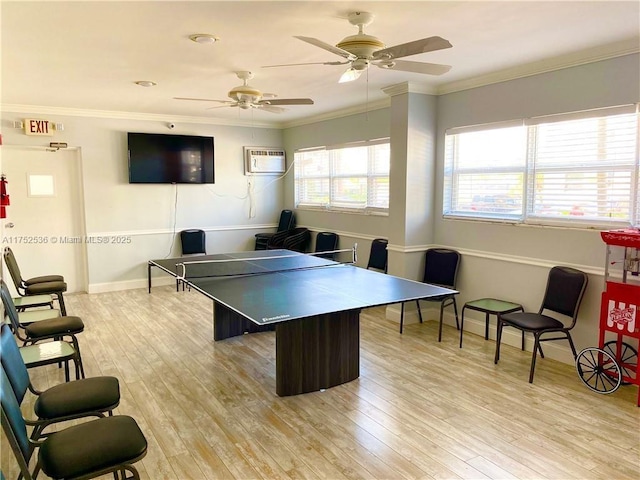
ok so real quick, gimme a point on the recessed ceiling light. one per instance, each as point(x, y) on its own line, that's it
point(146, 83)
point(203, 38)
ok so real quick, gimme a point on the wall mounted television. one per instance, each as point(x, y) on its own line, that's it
point(162, 158)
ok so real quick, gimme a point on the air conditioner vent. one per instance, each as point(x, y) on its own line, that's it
point(264, 160)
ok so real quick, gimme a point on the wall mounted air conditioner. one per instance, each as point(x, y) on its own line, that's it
point(264, 161)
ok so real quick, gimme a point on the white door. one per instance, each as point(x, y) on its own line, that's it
point(45, 221)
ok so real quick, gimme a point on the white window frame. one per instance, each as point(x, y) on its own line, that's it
point(457, 171)
point(333, 176)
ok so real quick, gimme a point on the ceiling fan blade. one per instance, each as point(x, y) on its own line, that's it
point(413, 48)
point(350, 75)
point(202, 100)
point(269, 108)
point(229, 104)
point(309, 63)
point(327, 46)
point(286, 101)
point(418, 67)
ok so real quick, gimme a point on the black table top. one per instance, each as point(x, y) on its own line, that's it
point(306, 286)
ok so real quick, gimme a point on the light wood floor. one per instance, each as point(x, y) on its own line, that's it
point(420, 409)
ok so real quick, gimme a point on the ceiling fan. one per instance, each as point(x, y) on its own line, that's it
point(362, 50)
point(245, 96)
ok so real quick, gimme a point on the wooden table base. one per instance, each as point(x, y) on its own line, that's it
point(311, 353)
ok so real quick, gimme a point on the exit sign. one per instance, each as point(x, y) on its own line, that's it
point(38, 127)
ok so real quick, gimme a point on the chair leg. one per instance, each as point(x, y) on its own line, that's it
point(573, 347)
point(419, 311)
point(455, 310)
point(36, 471)
point(401, 315)
point(440, 327)
point(498, 338)
point(78, 359)
point(63, 309)
point(533, 356)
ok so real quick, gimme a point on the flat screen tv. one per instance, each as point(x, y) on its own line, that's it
point(160, 158)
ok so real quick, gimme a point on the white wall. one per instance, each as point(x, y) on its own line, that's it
point(148, 214)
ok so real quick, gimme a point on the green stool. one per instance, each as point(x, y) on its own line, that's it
point(490, 306)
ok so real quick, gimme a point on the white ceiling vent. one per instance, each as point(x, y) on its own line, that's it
point(264, 160)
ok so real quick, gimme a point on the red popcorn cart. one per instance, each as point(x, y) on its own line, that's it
point(615, 361)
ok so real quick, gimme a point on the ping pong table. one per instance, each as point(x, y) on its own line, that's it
point(312, 303)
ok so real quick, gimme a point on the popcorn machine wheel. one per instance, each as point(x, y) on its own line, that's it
point(615, 362)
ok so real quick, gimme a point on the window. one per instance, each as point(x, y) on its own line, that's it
point(580, 168)
point(353, 177)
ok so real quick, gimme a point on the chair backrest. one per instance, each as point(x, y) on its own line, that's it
point(287, 220)
point(378, 256)
point(298, 240)
point(193, 241)
point(564, 292)
point(441, 267)
point(326, 242)
point(13, 364)
point(12, 266)
point(10, 308)
point(14, 425)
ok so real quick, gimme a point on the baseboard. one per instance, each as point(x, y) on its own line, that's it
point(129, 285)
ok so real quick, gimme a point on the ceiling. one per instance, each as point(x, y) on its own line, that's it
point(78, 56)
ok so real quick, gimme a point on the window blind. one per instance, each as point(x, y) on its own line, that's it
point(580, 167)
point(346, 177)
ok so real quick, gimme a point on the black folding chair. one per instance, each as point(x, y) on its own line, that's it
point(56, 328)
point(563, 295)
point(47, 284)
point(66, 401)
point(88, 450)
point(193, 242)
point(441, 269)
point(378, 256)
point(326, 242)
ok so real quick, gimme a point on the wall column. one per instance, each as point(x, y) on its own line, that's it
point(412, 178)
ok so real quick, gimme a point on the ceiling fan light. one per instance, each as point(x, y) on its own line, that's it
point(349, 76)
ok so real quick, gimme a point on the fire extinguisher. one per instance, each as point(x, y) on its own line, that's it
point(4, 196)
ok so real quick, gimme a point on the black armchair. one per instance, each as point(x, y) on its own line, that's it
point(287, 222)
point(296, 239)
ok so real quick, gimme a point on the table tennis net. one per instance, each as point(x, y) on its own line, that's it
point(260, 265)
